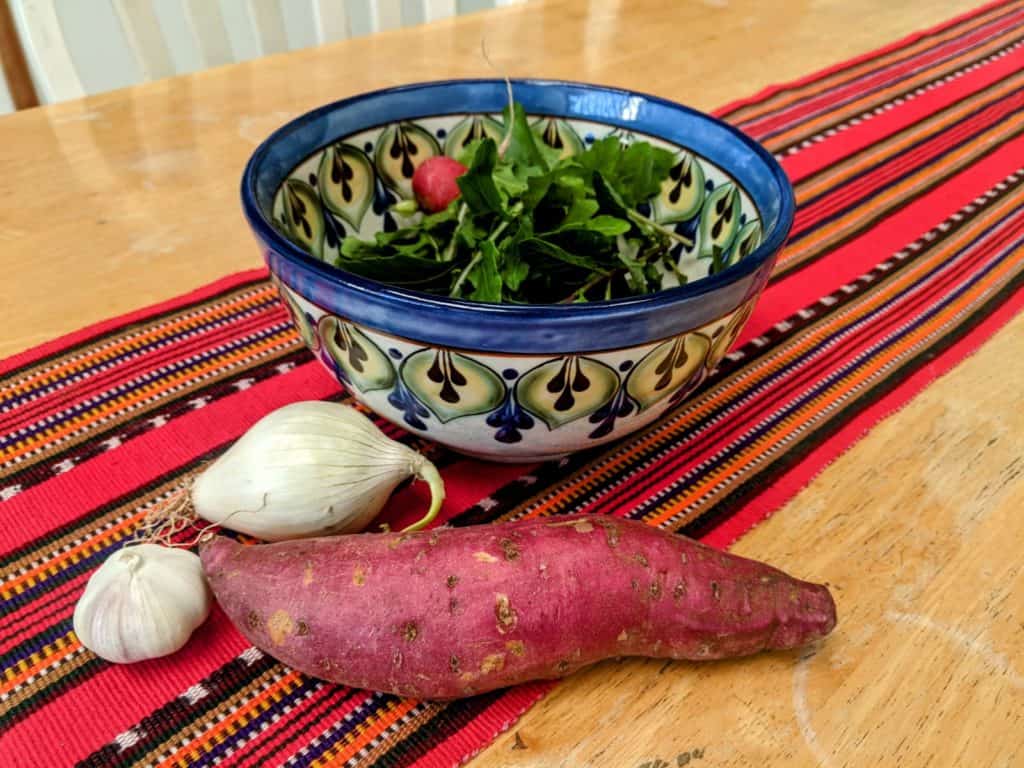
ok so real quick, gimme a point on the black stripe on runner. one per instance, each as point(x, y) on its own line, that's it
point(38, 470)
point(785, 270)
point(44, 694)
point(911, 130)
point(1012, 7)
point(170, 719)
point(749, 490)
point(120, 330)
point(866, 110)
point(449, 720)
point(546, 477)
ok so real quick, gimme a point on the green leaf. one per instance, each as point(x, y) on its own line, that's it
point(400, 269)
point(485, 276)
point(609, 226)
point(433, 221)
point(627, 253)
point(602, 156)
point(514, 271)
point(479, 191)
point(509, 182)
point(524, 148)
point(609, 198)
point(582, 210)
point(469, 152)
point(635, 170)
point(641, 171)
point(549, 248)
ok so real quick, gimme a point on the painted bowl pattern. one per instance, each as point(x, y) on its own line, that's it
point(498, 382)
point(505, 407)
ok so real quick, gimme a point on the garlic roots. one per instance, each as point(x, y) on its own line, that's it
point(143, 602)
point(307, 469)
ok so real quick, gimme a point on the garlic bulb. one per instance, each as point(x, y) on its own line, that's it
point(143, 602)
point(308, 469)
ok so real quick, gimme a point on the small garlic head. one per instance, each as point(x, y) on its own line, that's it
point(143, 602)
point(308, 469)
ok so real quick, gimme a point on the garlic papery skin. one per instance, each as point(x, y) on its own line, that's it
point(309, 469)
point(143, 602)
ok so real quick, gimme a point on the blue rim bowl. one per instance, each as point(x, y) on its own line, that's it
point(567, 328)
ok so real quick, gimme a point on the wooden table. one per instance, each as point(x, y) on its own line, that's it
point(124, 199)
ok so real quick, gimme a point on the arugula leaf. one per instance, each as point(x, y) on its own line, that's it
point(401, 269)
point(468, 152)
point(642, 167)
point(510, 181)
point(628, 251)
point(514, 270)
point(602, 156)
point(635, 170)
point(581, 211)
point(485, 276)
point(477, 185)
point(549, 248)
point(609, 198)
point(524, 146)
point(531, 227)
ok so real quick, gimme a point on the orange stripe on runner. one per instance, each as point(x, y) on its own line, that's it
point(207, 740)
point(356, 740)
point(915, 182)
point(904, 85)
point(844, 387)
point(789, 97)
point(51, 568)
point(802, 343)
point(912, 134)
point(91, 417)
point(97, 354)
point(52, 654)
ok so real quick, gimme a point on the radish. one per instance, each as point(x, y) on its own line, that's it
point(434, 182)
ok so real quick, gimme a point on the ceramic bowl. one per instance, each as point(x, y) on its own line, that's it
point(512, 382)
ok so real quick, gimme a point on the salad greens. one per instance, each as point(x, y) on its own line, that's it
point(532, 228)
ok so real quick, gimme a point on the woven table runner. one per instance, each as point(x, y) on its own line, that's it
point(905, 255)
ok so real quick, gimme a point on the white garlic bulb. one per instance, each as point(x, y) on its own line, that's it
point(308, 469)
point(143, 602)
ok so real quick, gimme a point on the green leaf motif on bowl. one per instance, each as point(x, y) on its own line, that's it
point(345, 179)
point(299, 318)
point(401, 149)
point(452, 385)
point(682, 193)
point(559, 135)
point(720, 220)
point(470, 129)
point(724, 335)
point(362, 361)
point(303, 219)
point(666, 368)
point(566, 389)
point(747, 240)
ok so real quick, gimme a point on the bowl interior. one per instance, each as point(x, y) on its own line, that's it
point(343, 184)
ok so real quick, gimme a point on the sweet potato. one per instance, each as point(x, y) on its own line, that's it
point(453, 612)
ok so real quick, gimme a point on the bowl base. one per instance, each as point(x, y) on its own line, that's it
point(505, 458)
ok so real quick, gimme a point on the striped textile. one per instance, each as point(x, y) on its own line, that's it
point(906, 254)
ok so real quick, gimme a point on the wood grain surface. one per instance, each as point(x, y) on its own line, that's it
point(123, 199)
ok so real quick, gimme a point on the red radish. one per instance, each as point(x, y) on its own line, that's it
point(434, 182)
point(453, 612)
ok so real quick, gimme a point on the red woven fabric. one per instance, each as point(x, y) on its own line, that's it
point(906, 254)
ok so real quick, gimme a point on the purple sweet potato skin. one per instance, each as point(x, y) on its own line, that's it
point(454, 612)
